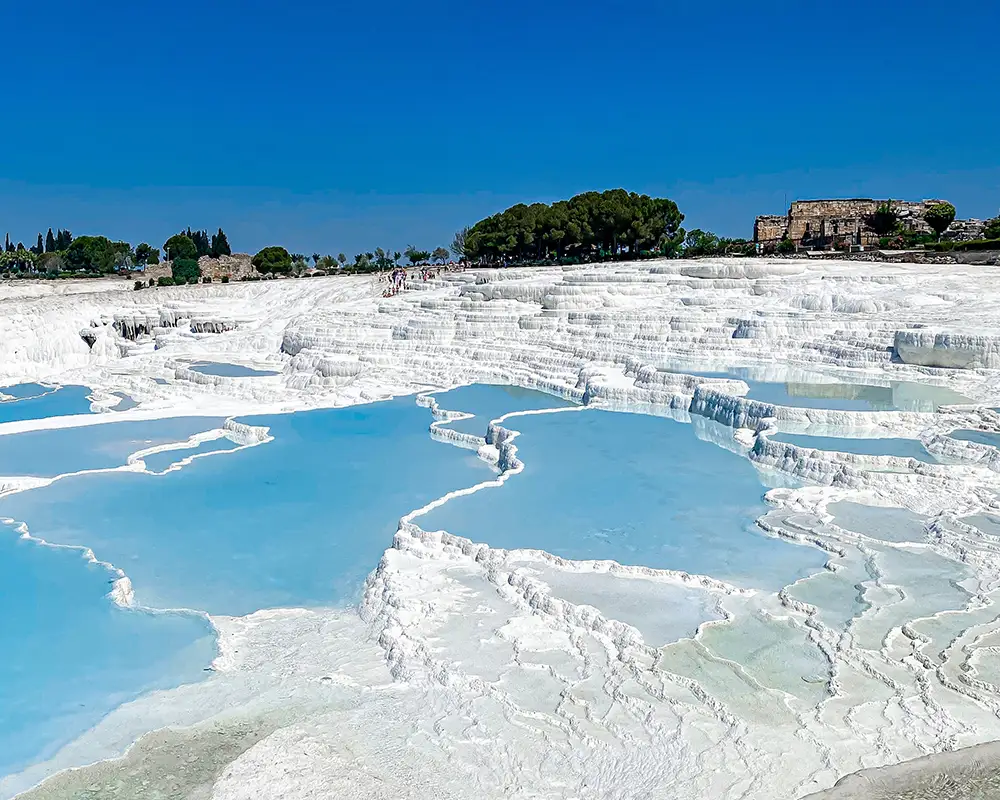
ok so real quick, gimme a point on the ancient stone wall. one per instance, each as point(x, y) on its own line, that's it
point(769, 228)
point(825, 223)
point(235, 266)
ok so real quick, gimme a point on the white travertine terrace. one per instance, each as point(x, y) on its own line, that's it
point(466, 674)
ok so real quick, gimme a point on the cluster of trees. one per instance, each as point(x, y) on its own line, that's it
point(276, 260)
point(59, 253)
point(195, 244)
point(885, 221)
point(439, 255)
point(593, 226)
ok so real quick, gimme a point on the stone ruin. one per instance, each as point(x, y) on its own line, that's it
point(828, 224)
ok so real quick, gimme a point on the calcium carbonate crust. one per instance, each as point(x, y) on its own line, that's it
point(556, 699)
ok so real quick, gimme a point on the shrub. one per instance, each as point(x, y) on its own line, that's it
point(166, 280)
point(273, 260)
point(152, 282)
point(192, 280)
point(184, 269)
point(139, 285)
point(992, 229)
point(785, 247)
point(225, 279)
point(207, 279)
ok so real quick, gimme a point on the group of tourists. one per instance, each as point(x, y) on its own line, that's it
point(396, 278)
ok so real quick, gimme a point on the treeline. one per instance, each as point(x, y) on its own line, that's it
point(593, 226)
point(60, 254)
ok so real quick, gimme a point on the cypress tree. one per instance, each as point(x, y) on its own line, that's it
point(50, 242)
point(39, 248)
point(7, 245)
point(220, 245)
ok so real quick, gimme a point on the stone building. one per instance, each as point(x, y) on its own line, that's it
point(826, 224)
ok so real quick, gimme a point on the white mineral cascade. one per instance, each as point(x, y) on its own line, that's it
point(463, 674)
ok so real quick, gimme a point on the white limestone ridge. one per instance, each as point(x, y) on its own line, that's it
point(468, 675)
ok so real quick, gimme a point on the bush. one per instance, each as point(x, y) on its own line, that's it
point(184, 269)
point(166, 280)
point(207, 279)
point(974, 244)
point(785, 247)
point(192, 280)
point(273, 260)
point(152, 282)
point(139, 285)
point(992, 229)
point(225, 279)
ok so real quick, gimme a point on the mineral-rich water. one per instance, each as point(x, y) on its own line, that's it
point(300, 520)
point(834, 395)
point(226, 370)
point(70, 655)
point(635, 489)
point(487, 402)
point(902, 448)
point(48, 453)
point(60, 402)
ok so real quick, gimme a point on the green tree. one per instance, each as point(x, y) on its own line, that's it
point(50, 242)
point(202, 245)
point(63, 240)
point(939, 216)
point(592, 226)
point(440, 255)
point(458, 243)
point(220, 245)
point(91, 254)
point(416, 256)
point(342, 259)
point(145, 254)
point(884, 221)
point(179, 246)
point(701, 243)
point(182, 270)
point(273, 260)
point(992, 229)
point(51, 263)
point(39, 247)
point(786, 247)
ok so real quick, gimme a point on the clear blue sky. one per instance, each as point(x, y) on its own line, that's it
point(333, 127)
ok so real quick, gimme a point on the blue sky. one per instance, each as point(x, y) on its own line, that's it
point(338, 127)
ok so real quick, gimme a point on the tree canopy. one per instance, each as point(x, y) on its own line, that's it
point(593, 226)
point(273, 260)
point(92, 254)
point(416, 256)
point(440, 255)
point(179, 246)
point(145, 254)
point(220, 245)
point(939, 216)
point(992, 229)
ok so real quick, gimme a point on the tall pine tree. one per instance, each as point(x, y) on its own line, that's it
point(7, 245)
point(220, 245)
point(39, 248)
point(50, 242)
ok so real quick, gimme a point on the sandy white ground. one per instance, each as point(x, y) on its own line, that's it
point(465, 676)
